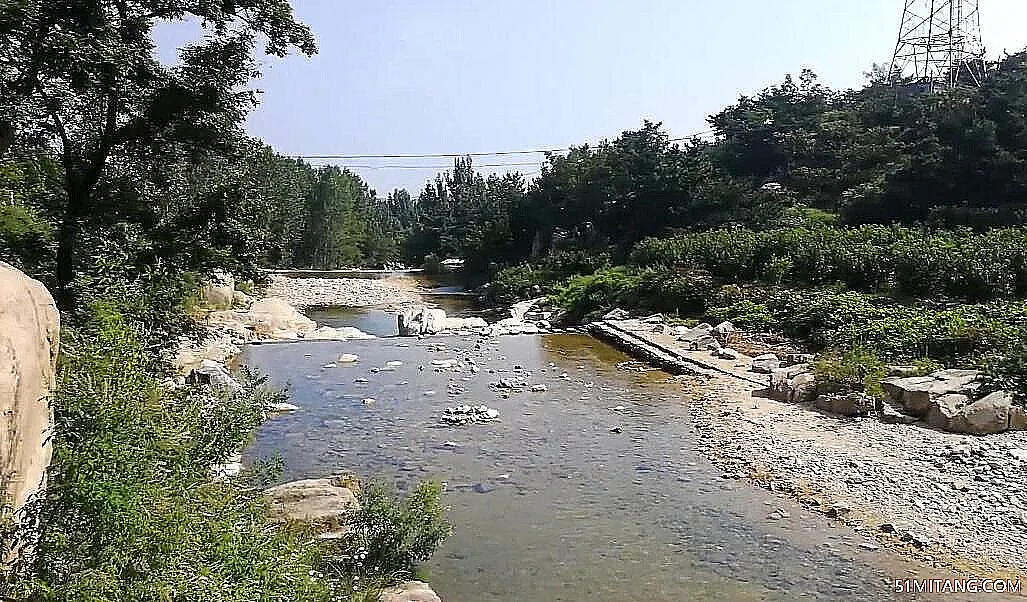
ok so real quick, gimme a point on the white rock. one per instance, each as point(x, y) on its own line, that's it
point(283, 407)
point(348, 358)
point(539, 388)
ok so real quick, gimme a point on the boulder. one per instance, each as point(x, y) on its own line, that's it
point(726, 353)
point(218, 291)
point(344, 333)
point(704, 343)
point(274, 318)
point(213, 374)
point(654, 319)
point(191, 355)
point(946, 412)
point(29, 342)
point(765, 364)
point(794, 359)
point(241, 300)
point(913, 393)
point(850, 404)
point(794, 384)
point(616, 314)
point(723, 329)
point(1017, 418)
point(411, 591)
point(989, 414)
point(916, 393)
point(321, 502)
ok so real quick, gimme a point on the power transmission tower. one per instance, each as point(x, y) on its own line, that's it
point(939, 45)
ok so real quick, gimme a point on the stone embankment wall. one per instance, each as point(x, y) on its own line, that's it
point(29, 340)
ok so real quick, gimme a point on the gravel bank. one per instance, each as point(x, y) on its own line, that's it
point(349, 292)
point(956, 500)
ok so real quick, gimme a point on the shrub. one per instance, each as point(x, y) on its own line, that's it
point(857, 369)
point(545, 275)
point(585, 297)
point(131, 512)
point(26, 241)
point(1007, 371)
point(388, 540)
point(903, 261)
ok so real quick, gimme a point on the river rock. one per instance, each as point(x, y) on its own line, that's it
point(344, 333)
point(283, 407)
point(539, 388)
point(850, 404)
point(274, 318)
point(989, 414)
point(213, 374)
point(616, 314)
point(467, 414)
point(726, 353)
point(348, 358)
point(723, 329)
point(1017, 418)
point(765, 364)
point(241, 300)
point(794, 384)
point(218, 291)
point(946, 412)
point(410, 591)
point(219, 348)
point(29, 343)
point(421, 320)
point(321, 502)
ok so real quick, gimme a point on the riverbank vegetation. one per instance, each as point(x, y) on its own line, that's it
point(123, 183)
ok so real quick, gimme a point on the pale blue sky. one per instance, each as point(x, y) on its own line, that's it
point(406, 76)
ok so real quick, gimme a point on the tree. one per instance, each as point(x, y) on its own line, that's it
point(84, 84)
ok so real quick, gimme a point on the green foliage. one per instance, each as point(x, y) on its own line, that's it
point(856, 369)
point(585, 297)
point(389, 541)
point(903, 261)
point(131, 513)
point(544, 275)
point(1007, 371)
point(26, 240)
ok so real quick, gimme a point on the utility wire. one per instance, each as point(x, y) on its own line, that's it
point(483, 154)
point(350, 166)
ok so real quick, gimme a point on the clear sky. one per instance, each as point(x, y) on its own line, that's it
point(455, 76)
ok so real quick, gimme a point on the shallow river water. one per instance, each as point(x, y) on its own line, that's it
point(570, 496)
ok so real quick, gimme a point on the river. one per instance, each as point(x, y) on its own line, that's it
point(592, 490)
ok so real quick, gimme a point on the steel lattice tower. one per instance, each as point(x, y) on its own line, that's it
point(939, 45)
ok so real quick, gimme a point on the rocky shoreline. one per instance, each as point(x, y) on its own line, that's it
point(302, 293)
point(953, 500)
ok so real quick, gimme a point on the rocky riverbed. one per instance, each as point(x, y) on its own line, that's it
point(952, 499)
point(350, 292)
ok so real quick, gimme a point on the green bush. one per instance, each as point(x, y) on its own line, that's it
point(585, 297)
point(857, 369)
point(389, 541)
point(131, 512)
point(544, 275)
point(902, 261)
point(1007, 371)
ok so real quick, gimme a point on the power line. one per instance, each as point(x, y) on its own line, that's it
point(350, 166)
point(457, 155)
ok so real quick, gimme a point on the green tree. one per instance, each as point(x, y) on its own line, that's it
point(82, 81)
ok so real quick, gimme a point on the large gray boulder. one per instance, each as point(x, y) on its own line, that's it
point(794, 384)
point(989, 414)
point(946, 412)
point(765, 364)
point(848, 404)
point(213, 374)
point(915, 393)
point(323, 502)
